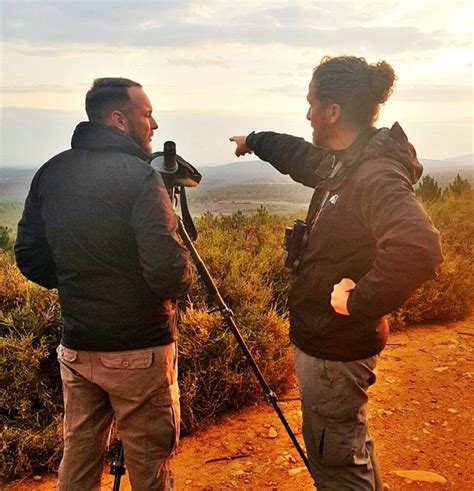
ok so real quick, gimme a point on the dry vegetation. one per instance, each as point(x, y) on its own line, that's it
point(244, 256)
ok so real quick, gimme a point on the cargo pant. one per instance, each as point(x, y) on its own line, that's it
point(334, 403)
point(140, 389)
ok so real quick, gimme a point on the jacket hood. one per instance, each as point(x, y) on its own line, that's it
point(102, 138)
point(393, 142)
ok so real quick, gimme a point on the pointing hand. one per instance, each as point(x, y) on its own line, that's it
point(241, 148)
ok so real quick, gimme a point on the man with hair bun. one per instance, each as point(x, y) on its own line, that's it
point(367, 245)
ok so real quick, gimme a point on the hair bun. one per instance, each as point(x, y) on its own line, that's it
point(383, 78)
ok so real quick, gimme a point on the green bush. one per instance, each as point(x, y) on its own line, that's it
point(243, 255)
point(450, 295)
point(245, 258)
point(30, 399)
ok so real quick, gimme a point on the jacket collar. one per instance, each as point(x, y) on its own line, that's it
point(102, 138)
point(384, 142)
point(394, 143)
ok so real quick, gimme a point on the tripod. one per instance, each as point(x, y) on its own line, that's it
point(228, 317)
point(185, 229)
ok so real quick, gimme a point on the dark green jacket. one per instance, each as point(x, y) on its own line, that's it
point(98, 225)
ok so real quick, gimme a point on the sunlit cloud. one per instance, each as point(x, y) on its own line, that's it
point(220, 58)
point(291, 90)
point(42, 88)
point(433, 92)
point(197, 61)
point(168, 25)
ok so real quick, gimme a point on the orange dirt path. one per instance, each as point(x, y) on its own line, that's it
point(420, 416)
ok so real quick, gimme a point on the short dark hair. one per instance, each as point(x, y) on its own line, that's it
point(107, 94)
point(359, 88)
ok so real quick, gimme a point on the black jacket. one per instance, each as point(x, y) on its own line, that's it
point(371, 229)
point(98, 225)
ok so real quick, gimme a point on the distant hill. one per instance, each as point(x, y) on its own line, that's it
point(444, 171)
point(258, 172)
point(254, 171)
point(452, 164)
point(15, 183)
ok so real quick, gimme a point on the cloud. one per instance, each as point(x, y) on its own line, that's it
point(42, 88)
point(197, 61)
point(290, 90)
point(434, 93)
point(412, 93)
point(183, 24)
point(342, 13)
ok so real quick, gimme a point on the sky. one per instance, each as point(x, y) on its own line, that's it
point(215, 68)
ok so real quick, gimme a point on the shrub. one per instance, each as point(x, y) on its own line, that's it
point(243, 255)
point(30, 399)
point(450, 295)
point(245, 258)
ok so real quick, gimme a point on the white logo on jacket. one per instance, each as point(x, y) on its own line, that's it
point(333, 199)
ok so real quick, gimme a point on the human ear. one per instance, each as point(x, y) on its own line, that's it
point(334, 112)
point(117, 120)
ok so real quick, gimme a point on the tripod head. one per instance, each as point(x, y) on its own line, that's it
point(177, 175)
point(175, 171)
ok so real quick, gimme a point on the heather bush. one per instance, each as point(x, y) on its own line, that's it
point(450, 295)
point(30, 400)
point(243, 255)
point(245, 258)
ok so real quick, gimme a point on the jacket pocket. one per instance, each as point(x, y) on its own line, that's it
point(164, 422)
point(127, 360)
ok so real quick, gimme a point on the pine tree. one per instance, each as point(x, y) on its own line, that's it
point(428, 190)
point(5, 238)
point(459, 186)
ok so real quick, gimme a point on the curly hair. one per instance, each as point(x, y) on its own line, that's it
point(359, 88)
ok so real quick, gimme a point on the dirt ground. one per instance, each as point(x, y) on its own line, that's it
point(420, 415)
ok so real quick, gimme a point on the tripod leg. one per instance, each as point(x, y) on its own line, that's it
point(117, 468)
point(228, 316)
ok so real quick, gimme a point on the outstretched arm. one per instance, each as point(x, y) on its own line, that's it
point(288, 154)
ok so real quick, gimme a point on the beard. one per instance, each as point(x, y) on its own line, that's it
point(146, 148)
point(140, 139)
point(144, 145)
point(322, 136)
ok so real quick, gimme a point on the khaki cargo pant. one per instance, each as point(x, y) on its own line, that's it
point(140, 389)
point(334, 402)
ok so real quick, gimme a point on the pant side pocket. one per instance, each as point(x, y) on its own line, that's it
point(343, 444)
point(163, 422)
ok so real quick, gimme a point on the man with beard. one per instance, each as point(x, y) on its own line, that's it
point(367, 245)
point(99, 226)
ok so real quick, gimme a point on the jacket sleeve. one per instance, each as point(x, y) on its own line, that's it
point(408, 250)
point(165, 262)
point(290, 155)
point(32, 252)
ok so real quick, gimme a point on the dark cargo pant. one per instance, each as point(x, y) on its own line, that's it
point(140, 389)
point(334, 403)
